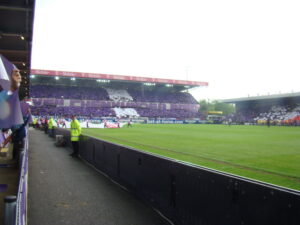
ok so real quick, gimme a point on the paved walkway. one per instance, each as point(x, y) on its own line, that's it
point(64, 190)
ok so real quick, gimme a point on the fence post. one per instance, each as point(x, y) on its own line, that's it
point(10, 204)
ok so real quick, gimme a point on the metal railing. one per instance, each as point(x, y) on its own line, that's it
point(21, 206)
point(15, 209)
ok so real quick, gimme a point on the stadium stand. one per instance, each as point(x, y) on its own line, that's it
point(283, 109)
point(280, 115)
point(94, 102)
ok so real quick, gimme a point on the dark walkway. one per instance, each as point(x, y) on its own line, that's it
point(64, 190)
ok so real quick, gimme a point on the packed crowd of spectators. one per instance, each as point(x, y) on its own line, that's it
point(93, 93)
point(276, 115)
point(68, 111)
point(176, 113)
point(94, 112)
point(166, 97)
point(43, 96)
point(279, 115)
point(73, 92)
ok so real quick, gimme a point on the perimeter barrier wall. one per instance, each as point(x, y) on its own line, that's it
point(188, 194)
point(15, 211)
point(21, 206)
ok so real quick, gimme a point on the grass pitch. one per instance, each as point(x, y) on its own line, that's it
point(269, 154)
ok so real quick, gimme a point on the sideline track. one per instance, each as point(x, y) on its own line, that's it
point(64, 190)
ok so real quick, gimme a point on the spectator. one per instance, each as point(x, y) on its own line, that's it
point(50, 127)
point(10, 111)
point(4, 134)
point(129, 124)
point(18, 135)
point(10, 79)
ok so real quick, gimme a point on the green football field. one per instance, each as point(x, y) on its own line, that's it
point(269, 154)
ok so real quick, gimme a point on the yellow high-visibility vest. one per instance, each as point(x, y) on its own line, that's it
point(75, 130)
point(50, 123)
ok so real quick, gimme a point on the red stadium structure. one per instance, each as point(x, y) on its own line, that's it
point(117, 77)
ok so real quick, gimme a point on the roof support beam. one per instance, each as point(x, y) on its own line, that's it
point(18, 62)
point(12, 34)
point(13, 51)
point(14, 8)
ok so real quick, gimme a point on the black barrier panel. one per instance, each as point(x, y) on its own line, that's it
point(87, 149)
point(100, 155)
point(212, 195)
point(156, 185)
point(207, 200)
point(130, 163)
point(111, 159)
point(232, 199)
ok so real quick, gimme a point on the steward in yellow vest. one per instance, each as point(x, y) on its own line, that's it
point(51, 124)
point(75, 134)
point(35, 122)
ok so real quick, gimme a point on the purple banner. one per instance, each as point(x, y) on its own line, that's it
point(6, 68)
point(10, 111)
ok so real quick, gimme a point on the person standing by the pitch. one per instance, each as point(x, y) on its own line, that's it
point(75, 134)
point(129, 124)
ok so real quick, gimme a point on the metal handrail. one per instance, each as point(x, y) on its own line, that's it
point(21, 206)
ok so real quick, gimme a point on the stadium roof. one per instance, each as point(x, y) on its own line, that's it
point(16, 23)
point(117, 77)
point(264, 97)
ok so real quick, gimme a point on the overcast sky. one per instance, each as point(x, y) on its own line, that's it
point(240, 47)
